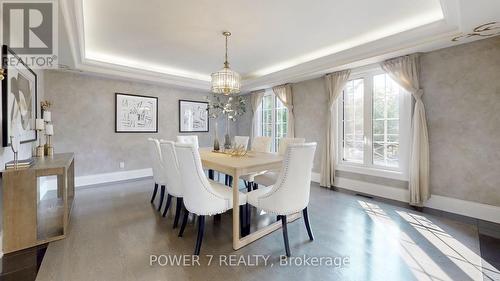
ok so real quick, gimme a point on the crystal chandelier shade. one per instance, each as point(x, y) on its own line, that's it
point(225, 81)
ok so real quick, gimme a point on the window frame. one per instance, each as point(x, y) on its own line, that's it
point(368, 167)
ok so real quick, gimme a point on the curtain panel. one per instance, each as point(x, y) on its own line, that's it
point(405, 71)
point(255, 101)
point(284, 94)
point(335, 83)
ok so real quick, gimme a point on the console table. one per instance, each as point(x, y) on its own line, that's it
point(34, 213)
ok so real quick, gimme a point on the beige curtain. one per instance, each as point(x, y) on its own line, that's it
point(335, 83)
point(255, 101)
point(284, 94)
point(405, 71)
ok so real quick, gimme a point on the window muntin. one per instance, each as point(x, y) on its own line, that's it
point(353, 131)
point(386, 124)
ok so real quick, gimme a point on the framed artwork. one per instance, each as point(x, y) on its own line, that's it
point(193, 116)
point(136, 114)
point(19, 99)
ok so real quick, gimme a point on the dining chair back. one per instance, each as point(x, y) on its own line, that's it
point(284, 142)
point(262, 144)
point(189, 139)
point(157, 165)
point(290, 193)
point(199, 196)
point(171, 168)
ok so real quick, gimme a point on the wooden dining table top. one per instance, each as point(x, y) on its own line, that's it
point(251, 162)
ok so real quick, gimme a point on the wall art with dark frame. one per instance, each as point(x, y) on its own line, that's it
point(19, 99)
point(193, 116)
point(136, 114)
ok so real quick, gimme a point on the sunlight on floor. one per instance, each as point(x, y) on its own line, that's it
point(421, 265)
point(471, 263)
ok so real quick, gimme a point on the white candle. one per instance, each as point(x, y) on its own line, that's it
point(40, 124)
point(47, 116)
point(49, 130)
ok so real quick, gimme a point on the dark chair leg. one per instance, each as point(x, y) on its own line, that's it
point(243, 217)
point(178, 208)
point(285, 235)
point(248, 211)
point(162, 194)
point(154, 193)
point(167, 206)
point(249, 186)
point(217, 218)
point(255, 186)
point(229, 180)
point(278, 218)
point(184, 222)
point(199, 239)
point(308, 226)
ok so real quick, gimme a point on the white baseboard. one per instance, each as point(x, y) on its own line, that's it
point(82, 181)
point(447, 204)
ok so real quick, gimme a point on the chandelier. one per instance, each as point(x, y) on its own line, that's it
point(226, 81)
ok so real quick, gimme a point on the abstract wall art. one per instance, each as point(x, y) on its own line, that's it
point(136, 114)
point(193, 116)
point(19, 99)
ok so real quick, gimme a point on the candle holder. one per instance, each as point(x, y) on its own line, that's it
point(40, 150)
point(49, 149)
point(39, 126)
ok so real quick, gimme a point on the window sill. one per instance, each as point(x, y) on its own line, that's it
point(390, 174)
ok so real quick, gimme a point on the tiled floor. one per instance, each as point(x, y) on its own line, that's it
point(114, 231)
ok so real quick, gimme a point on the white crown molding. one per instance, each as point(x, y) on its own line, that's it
point(427, 37)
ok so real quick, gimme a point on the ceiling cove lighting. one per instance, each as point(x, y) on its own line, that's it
point(226, 81)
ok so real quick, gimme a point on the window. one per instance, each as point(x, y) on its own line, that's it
point(273, 119)
point(374, 126)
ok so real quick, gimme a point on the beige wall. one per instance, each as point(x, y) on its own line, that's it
point(83, 115)
point(462, 99)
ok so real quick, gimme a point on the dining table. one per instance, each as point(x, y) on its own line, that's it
point(236, 166)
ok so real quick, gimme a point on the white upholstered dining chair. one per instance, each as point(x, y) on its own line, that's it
point(189, 139)
point(261, 144)
point(158, 175)
point(270, 177)
point(202, 197)
point(290, 193)
point(174, 184)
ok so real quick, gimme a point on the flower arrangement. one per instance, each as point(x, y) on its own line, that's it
point(45, 105)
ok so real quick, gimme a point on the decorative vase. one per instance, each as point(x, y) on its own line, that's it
point(216, 138)
point(227, 138)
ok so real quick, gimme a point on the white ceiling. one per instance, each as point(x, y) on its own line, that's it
point(272, 40)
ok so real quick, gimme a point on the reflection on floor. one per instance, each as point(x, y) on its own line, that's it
point(22, 265)
point(114, 231)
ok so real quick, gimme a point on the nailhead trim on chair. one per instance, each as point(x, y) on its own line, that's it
point(281, 179)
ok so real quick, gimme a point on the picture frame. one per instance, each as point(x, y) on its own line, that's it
point(19, 99)
point(193, 116)
point(136, 113)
